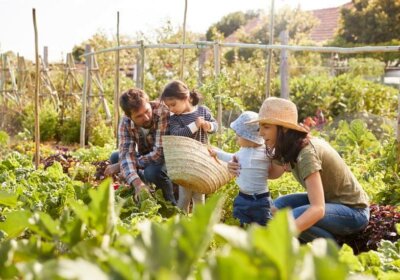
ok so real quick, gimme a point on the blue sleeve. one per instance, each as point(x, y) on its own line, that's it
point(208, 117)
point(176, 128)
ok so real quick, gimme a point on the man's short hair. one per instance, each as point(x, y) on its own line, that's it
point(132, 100)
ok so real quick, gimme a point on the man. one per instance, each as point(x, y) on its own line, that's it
point(140, 143)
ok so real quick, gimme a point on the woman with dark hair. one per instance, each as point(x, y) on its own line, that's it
point(334, 203)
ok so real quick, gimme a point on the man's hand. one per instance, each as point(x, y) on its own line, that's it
point(112, 169)
point(138, 189)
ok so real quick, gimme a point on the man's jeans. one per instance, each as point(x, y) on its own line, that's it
point(156, 174)
point(339, 219)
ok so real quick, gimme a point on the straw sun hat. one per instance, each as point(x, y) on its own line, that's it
point(190, 165)
point(279, 111)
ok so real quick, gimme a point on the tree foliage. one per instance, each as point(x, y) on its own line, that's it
point(297, 22)
point(230, 23)
point(370, 21)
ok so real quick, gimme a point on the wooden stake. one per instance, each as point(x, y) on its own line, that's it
point(201, 60)
point(37, 126)
point(271, 42)
point(142, 59)
point(398, 130)
point(85, 93)
point(183, 42)
point(217, 70)
point(284, 66)
point(116, 88)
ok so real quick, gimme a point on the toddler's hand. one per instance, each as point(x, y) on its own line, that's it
point(234, 166)
point(212, 152)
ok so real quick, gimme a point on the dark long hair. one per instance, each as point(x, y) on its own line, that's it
point(179, 90)
point(288, 144)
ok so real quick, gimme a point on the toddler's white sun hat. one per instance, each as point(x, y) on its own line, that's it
point(248, 131)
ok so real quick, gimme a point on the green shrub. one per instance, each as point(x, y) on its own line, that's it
point(4, 138)
point(70, 130)
point(101, 134)
point(48, 121)
point(340, 95)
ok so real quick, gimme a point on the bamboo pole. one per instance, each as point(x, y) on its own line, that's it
point(217, 70)
point(85, 97)
point(398, 129)
point(142, 58)
point(201, 60)
point(271, 41)
point(284, 66)
point(206, 44)
point(183, 42)
point(46, 56)
point(37, 126)
point(116, 88)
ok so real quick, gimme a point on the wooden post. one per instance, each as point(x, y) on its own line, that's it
point(201, 61)
point(183, 42)
point(116, 87)
point(271, 42)
point(3, 91)
point(37, 126)
point(142, 64)
point(137, 69)
point(46, 56)
point(86, 90)
point(217, 70)
point(284, 67)
point(398, 130)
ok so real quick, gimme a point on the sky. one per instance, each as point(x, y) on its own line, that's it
point(62, 24)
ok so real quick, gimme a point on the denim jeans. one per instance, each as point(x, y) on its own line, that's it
point(252, 210)
point(339, 219)
point(156, 174)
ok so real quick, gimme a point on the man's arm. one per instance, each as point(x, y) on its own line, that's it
point(127, 153)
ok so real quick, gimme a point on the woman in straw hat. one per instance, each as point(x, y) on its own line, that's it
point(334, 203)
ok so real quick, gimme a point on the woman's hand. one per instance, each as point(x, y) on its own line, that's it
point(234, 166)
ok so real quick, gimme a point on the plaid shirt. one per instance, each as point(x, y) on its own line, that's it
point(138, 150)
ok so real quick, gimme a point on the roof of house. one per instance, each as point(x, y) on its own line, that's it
point(325, 30)
point(329, 23)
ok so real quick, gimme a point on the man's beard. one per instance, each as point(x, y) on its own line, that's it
point(148, 124)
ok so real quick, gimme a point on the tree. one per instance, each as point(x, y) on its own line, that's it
point(297, 22)
point(230, 23)
point(370, 21)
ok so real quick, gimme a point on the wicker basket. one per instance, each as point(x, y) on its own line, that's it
point(190, 165)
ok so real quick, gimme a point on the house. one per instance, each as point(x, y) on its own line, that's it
point(328, 23)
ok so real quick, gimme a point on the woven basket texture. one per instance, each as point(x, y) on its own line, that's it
point(190, 165)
